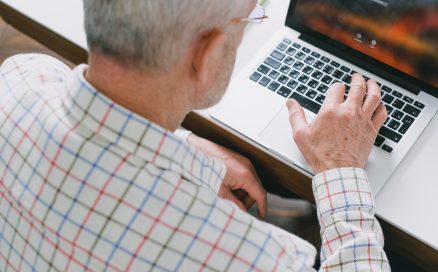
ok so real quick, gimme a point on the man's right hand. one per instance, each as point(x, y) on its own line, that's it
point(343, 132)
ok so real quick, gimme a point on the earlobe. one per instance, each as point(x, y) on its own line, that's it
point(207, 49)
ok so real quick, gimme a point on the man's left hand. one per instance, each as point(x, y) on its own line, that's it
point(241, 184)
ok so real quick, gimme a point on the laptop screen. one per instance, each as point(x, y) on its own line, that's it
point(400, 33)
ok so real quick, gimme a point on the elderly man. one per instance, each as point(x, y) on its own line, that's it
point(93, 177)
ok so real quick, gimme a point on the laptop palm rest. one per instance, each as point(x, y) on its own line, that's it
point(277, 136)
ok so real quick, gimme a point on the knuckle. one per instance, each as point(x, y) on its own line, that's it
point(299, 135)
point(330, 112)
point(374, 97)
point(243, 172)
point(348, 114)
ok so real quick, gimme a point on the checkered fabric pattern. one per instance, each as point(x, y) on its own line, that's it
point(87, 185)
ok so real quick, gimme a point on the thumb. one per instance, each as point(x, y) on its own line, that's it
point(297, 118)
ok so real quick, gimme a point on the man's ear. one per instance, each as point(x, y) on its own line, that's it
point(207, 48)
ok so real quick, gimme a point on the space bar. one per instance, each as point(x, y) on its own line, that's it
point(306, 103)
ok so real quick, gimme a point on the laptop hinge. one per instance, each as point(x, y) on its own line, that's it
point(366, 65)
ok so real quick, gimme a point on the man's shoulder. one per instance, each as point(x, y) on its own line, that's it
point(29, 64)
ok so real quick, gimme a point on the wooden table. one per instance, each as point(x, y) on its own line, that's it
point(268, 167)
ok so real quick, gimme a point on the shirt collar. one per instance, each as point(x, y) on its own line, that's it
point(136, 134)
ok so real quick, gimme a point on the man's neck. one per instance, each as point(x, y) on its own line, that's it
point(153, 96)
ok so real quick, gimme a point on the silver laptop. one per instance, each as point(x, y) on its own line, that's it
point(338, 38)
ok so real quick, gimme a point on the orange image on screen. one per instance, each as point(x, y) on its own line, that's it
point(402, 36)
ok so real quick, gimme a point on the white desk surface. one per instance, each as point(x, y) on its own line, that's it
point(409, 199)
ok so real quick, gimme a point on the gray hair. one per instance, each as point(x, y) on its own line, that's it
point(152, 33)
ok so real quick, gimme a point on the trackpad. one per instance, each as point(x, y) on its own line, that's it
point(277, 136)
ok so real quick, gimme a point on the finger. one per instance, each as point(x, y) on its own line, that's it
point(297, 117)
point(335, 95)
point(373, 99)
point(357, 91)
point(380, 116)
point(256, 191)
point(230, 196)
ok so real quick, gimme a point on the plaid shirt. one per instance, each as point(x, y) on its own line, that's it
point(89, 185)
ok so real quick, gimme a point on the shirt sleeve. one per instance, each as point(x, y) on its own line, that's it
point(182, 133)
point(352, 239)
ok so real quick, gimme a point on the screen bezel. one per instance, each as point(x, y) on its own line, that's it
point(358, 58)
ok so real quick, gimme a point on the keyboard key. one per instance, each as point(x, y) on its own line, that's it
point(313, 84)
point(291, 51)
point(389, 109)
point(327, 80)
point(306, 50)
point(386, 89)
point(256, 76)
point(419, 105)
point(328, 69)
point(388, 99)
point(285, 69)
point(316, 55)
point(281, 47)
point(294, 74)
point(394, 124)
point(278, 55)
point(296, 45)
point(387, 120)
point(308, 70)
point(300, 55)
point(273, 86)
point(263, 69)
point(285, 92)
point(292, 84)
point(404, 128)
point(408, 120)
point(302, 89)
point(334, 63)
point(397, 115)
point(412, 110)
point(303, 79)
point(289, 61)
point(397, 94)
point(390, 134)
point(283, 79)
point(309, 60)
point(338, 74)
point(322, 88)
point(317, 75)
point(273, 63)
point(311, 94)
point(408, 99)
point(325, 59)
point(306, 103)
point(264, 81)
point(345, 69)
point(318, 65)
point(320, 98)
point(347, 79)
point(274, 74)
point(298, 65)
point(287, 41)
point(387, 148)
point(398, 104)
point(379, 141)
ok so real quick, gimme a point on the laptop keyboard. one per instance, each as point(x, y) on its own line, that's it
point(295, 71)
